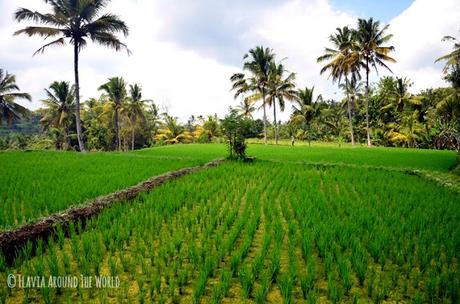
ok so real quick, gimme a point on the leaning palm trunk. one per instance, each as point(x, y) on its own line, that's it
point(265, 116)
point(274, 121)
point(349, 113)
point(367, 105)
point(81, 145)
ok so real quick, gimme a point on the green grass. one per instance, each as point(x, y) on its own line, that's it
point(376, 156)
point(36, 184)
point(332, 233)
point(399, 158)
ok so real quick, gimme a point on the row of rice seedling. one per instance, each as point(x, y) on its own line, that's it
point(264, 232)
point(36, 184)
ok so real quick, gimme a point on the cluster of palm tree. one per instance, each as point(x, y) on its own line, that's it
point(266, 81)
point(450, 105)
point(197, 130)
point(116, 106)
point(356, 50)
point(122, 118)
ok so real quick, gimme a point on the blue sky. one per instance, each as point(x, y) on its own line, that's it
point(184, 51)
point(383, 10)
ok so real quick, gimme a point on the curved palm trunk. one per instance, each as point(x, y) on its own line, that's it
point(349, 113)
point(367, 105)
point(81, 145)
point(265, 116)
point(274, 120)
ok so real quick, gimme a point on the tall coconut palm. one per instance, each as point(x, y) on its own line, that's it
point(344, 61)
point(279, 90)
point(77, 21)
point(246, 108)
point(453, 58)
point(59, 110)
point(9, 110)
point(371, 39)
point(135, 108)
point(305, 109)
point(115, 88)
point(257, 64)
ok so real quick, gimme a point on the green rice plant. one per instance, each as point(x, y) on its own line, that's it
point(60, 236)
point(331, 222)
point(333, 290)
point(46, 295)
point(275, 263)
point(225, 281)
point(48, 181)
point(53, 264)
point(262, 291)
point(246, 278)
point(418, 298)
point(257, 265)
point(312, 297)
point(182, 279)
point(345, 273)
point(328, 265)
point(113, 266)
point(156, 280)
point(306, 246)
point(217, 294)
point(286, 285)
point(199, 288)
point(234, 262)
point(307, 280)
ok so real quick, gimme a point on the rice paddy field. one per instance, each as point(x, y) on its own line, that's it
point(36, 184)
point(286, 228)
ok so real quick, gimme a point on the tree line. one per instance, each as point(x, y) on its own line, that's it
point(381, 113)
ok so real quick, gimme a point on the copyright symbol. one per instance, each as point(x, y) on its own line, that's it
point(11, 281)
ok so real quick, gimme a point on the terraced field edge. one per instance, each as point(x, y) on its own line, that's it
point(11, 241)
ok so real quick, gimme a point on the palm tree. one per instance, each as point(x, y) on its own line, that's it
point(135, 108)
point(60, 109)
point(9, 110)
point(246, 108)
point(171, 131)
point(305, 109)
point(209, 128)
point(453, 58)
point(370, 38)
point(408, 131)
point(353, 90)
point(344, 62)
point(78, 21)
point(115, 88)
point(257, 63)
point(279, 90)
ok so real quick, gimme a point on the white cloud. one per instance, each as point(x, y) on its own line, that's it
point(190, 80)
point(417, 38)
